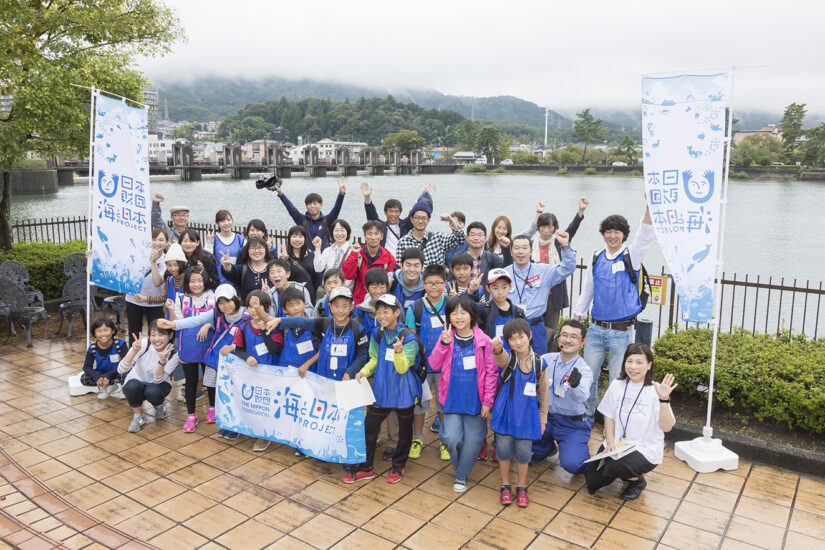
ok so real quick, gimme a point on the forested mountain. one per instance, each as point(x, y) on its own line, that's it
point(212, 98)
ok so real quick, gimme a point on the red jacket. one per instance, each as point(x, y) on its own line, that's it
point(349, 266)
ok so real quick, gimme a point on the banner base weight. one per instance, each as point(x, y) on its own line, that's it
point(706, 454)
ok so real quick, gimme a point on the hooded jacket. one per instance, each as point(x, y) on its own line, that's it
point(353, 271)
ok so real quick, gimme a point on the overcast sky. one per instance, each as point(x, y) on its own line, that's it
point(563, 55)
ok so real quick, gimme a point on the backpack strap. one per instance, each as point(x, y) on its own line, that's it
point(418, 313)
point(628, 266)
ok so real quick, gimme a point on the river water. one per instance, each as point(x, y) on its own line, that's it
point(773, 228)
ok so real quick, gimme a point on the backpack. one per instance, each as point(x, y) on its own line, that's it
point(507, 371)
point(418, 314)
point(421, 363)
point(642, 283)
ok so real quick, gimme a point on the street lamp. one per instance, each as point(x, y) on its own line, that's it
point(605, 153)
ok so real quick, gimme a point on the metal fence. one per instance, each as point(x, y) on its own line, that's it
point(753, 303)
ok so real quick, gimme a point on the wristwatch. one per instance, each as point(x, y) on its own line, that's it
point(664, 400)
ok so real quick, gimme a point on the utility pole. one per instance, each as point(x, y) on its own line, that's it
point(546, 121)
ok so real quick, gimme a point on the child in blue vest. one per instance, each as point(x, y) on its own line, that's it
point(392, 365)
point(377, 281)
point(461, 271)
point(192, 343)
point(254, 344)
point(225, 241)
point(333, 278)
point(426, 318)
point(103, 358)
point(343, 348)
point(408, 285)
point(520, 409)
point(225, 320)
point(300, 345)
point(467, 386)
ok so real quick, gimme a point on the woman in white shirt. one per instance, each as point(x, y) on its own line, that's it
point(149, 365)
point(333, 256)
point(637, 412)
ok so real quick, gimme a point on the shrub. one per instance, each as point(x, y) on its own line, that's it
point(474, 169)
point(44, 262)
point(635, 173)
point(562, 171)
point(590, 171)
point(499, 170)
point(740, 175)
point(775, 377)
point(28, 164)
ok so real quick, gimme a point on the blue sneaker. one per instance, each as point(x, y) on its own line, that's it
point(222, 433)
point(436, 425)
point(231, 436)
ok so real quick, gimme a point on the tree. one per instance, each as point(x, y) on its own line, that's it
point(489, 143)
point(761, 150)
point(49, 45)
point(587, 129)
point(627, 151)
point(405, 140)
point(813, 151)
point(523, 157)
point(792, 130)
point(468, 134)
point(185, 131)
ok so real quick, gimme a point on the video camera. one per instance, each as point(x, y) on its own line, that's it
point(265, 181)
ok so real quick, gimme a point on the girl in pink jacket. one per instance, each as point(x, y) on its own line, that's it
point(467, 386)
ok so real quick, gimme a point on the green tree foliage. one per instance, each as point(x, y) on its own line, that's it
point(369, 120)
point(405, 140)
point(48, 45)
point(569, 155)
point(626, 151)
point(489, 143)
point(760, 150)
point(813, 151)
point(587, 129)
point(791, 123)
point(185, 131)
point(250, 128)
point(523, 157)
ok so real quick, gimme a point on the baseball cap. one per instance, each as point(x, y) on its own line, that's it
point(225, 291)
point(340, 292)
point(388, 300)
point(495, 274)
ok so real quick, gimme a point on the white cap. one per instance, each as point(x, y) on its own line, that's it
point(338, 292)
point(178, 209)
point(387, 299)
point(495, 274)
point(225, 291)
point(175, 254)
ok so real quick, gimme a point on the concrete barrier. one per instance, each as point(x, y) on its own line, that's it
point(34, 182)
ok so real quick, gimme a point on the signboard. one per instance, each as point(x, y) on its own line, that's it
point(269, 402)
point(658, 290)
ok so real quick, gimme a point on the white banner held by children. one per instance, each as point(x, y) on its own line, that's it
point(275, 403)
point(121, 229)
point(683, 137)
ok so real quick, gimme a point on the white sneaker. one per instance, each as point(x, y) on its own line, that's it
point(182, 393)
point(137, 423)
point(160, 411)
point(104, 393)
point(118, 392)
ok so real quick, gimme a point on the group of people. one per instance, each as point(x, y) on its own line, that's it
point(468, 318)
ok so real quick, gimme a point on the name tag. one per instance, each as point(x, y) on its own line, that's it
point(233, 259)
point(469, 363)
point(305, 347)
point(530, 389)
point(618, 267)
point(333, 363)
point(389, 353)
point(435, 322)
point(499, 330)
point(339, 349)
point(114, 358)
point(560, 391)
point(260, 349)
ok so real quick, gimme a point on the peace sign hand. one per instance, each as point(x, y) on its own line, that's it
point(138, 343)
point(446, 335)
point(210, 237)
point(265, 284)
point(164, 355)
point(665, 387)
point(398, 345)
point(342, 187)
point(475, 283)
point(226, 261)
point(451, 290)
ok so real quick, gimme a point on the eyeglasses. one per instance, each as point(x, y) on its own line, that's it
point(420, 218)
point(433, 283)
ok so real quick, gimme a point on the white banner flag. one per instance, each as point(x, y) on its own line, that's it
point(121, 221)
point(683, 136)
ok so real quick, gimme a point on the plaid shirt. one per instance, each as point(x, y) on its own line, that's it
point(433, 245)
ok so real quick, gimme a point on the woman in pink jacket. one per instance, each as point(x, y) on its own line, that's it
point(467, 386)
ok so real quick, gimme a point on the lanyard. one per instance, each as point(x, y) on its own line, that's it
point(524, 280)
point(433, 311)
point(626, 422)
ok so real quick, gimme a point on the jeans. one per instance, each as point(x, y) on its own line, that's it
point(463, 435)
point(137, 392)
point(508, 448)
point(599, 342)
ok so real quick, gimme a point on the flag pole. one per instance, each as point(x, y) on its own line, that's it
point(89, 216)
point(706, 454)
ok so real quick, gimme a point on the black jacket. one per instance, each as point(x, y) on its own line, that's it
point(404, 224)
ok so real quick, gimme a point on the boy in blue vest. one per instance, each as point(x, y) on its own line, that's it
point(333, 278)
point(568, 429)
point(377, 281)
point(392, 365)
point(615, 299)
point(407, 285)
point(461, 273)
point(426, 318)
point(495, 312)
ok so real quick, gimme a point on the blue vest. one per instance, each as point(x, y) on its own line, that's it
point(367, 319)
point(515, 413)
point(233, 249)
point(431, 327)
point(190, 349)
point(107, 360)
point(615, 297)
point(337, 352)
point(406, 301)
point(299, 346)
point(393, 390)
point(171, 293)
point(462, 392)
point(255, 346)
point(223, 336)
